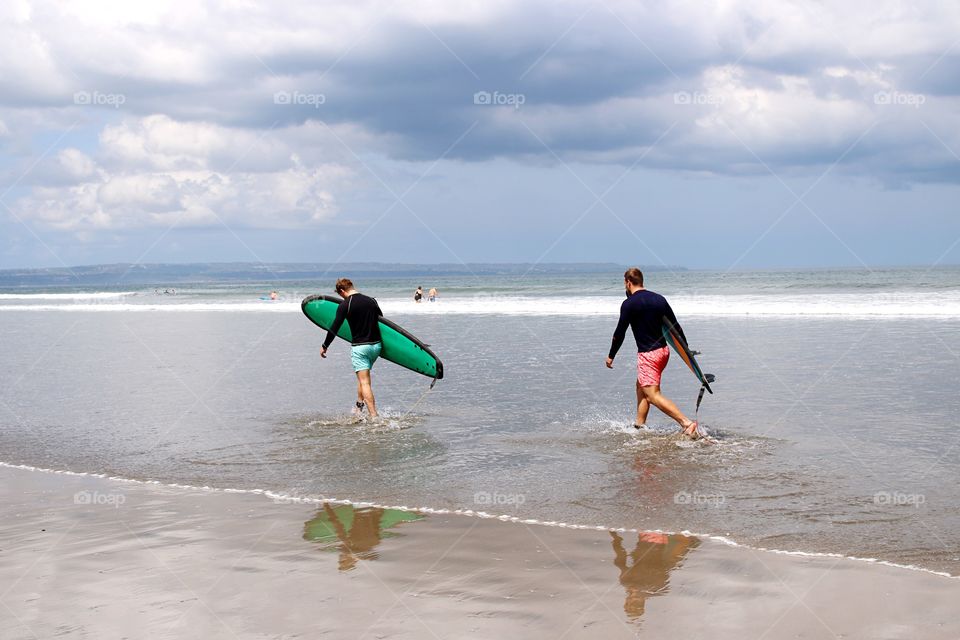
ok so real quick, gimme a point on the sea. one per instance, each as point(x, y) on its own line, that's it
point(834, 413)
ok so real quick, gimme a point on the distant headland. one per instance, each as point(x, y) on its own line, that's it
point(126, 273)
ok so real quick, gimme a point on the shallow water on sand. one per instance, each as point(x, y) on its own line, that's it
point(833, 435)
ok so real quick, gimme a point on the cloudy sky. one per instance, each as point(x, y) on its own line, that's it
point(716, 135)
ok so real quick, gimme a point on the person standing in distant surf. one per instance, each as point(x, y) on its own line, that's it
point(418, 295)
point(363, 315)
point(643, 311)
point(432, 294)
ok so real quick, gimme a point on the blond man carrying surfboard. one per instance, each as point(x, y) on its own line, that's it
point(644, 312)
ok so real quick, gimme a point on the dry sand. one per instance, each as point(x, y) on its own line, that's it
point(147, 561)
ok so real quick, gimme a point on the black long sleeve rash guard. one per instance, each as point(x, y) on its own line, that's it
point(363, 315)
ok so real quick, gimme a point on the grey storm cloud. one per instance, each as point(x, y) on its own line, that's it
point(286, 94)
point(615, 70)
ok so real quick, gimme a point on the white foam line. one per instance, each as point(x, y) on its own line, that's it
point(283, 498)
point(830, 307)
point(255, 307)
point(94, 295)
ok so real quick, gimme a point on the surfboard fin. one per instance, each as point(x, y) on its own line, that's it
point(699, 400)
point(708, 378)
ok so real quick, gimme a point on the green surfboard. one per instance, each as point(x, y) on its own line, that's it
point(399, 346)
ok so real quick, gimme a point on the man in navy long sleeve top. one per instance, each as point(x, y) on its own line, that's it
point(644, 311)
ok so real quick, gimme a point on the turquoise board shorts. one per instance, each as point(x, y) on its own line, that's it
point(364, 355)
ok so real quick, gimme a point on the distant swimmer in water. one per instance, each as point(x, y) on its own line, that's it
point(643, 311)
point(418, 295)
point(273, 295)
point(362, 314)
point(432, 294)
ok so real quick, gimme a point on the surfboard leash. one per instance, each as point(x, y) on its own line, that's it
point(420, 399)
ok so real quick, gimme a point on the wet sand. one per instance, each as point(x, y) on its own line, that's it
point(86, 557)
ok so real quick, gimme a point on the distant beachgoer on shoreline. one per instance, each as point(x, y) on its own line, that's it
point(418, 295)
point(432, 294)
point(643, 311)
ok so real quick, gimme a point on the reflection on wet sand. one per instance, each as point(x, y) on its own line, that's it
point(645, 572)
point(355, 532)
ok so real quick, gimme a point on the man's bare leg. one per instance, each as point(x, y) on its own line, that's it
point(643, 407)
point(365, 391)
point(358, 409)
point(660, 401)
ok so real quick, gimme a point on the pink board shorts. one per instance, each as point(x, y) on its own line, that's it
point(650, 365)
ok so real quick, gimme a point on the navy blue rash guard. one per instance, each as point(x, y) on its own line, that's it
point(644, 312)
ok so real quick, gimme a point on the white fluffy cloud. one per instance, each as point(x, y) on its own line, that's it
point(157, 172)
point(281, 200)
point(160, 143)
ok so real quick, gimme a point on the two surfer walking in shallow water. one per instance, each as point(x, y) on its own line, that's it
point(644, 312)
